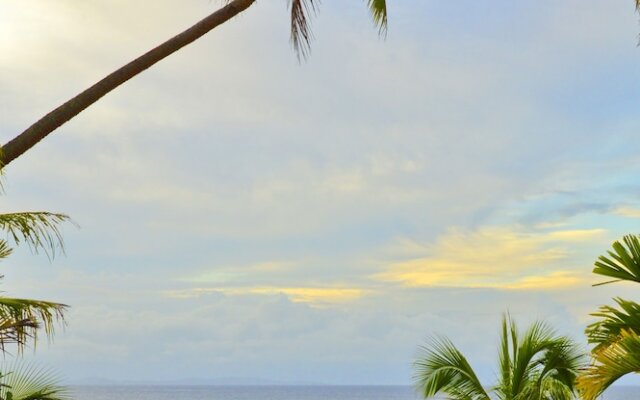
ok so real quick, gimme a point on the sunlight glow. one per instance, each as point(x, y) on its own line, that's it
point(311, 295)
point(495, 257)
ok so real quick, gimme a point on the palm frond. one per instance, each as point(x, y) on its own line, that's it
point(536, 364)
point(16, 332)
point(21, 381)
point(506, 366)
point(560, 364)
point(622, 263)
point(534, 342)
point(39, 230)
point(5, 250)
point(301, 34)
point(20, 319)
point(610, 364)
point(378, 10)
point(612, 322)
point(441, 368)
point(556, 390)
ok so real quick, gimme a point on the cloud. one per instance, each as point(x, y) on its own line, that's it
point(494, 257)
point(556, 280)
point(233, 273)
point(317, 296)
point(628, 212)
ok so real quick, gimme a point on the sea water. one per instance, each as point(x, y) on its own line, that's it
point(131, 392)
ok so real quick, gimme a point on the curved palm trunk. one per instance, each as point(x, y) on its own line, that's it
point(50, 122)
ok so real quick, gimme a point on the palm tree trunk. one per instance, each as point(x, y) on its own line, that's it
point(53, 120)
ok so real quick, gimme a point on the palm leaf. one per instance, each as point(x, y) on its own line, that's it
point(441, 368)
point(5, 250)
point(612, 322)
point(505, 355)
point(378, 10)
point(22, 381)
point(556, 390)
point(301, 34)
point(560, 364)
point(538, 364)
point(610, 364)
point(39, 230)
point(623, 263)
point(20, 319)
point(535, 341)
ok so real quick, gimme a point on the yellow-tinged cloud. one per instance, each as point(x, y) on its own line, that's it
point(553, 280)
point(496, 257)
point(575, 235)
point(314, 295)
point(629, 212)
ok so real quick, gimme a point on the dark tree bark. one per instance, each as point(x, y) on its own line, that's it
point(53, 120)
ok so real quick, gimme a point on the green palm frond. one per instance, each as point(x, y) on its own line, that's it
point(536, 340)
point(561, 363)
point(20, 319)
point(441, 368)
point(623, 262)
point(550, 372)
point(378, 10)
point(537, 365)
point(5, 250)
point(22, 381)
point(39, 230)
point(506, 366)
point(556, 390)
point(612, 322)
point(301, 11)
point(610, 364)
point(301, 34)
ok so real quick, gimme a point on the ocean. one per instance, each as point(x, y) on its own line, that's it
point(275, 393)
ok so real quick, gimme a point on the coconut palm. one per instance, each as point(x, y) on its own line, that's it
point(616, 333)
point(537, 365)
point(300, 38)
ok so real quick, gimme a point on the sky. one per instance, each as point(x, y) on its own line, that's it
point(244, 216)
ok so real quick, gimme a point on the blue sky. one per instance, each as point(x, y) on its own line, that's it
point(244, 215)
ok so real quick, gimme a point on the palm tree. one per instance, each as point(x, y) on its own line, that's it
point(539, 365)
point(22, 319)
point(300, 39)
point(616, 334)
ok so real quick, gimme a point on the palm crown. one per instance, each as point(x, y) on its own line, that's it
point(536, 365)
